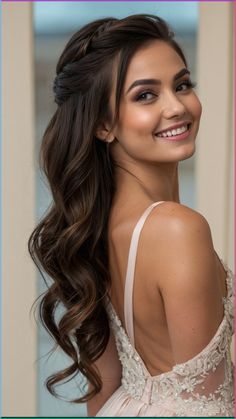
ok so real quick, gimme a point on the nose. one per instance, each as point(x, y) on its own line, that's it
point(172, 106)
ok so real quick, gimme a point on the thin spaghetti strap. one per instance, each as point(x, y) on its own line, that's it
point(128, 293)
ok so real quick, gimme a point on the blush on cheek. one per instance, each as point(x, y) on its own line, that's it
point(143, 121)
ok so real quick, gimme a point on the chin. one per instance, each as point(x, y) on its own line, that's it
point(186, 152)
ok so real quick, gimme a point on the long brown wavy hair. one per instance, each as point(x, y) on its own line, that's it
point(70, 243)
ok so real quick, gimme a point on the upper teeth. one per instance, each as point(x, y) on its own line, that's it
point(173, 132)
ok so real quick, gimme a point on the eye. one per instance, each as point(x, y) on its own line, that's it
point(145, 96)
point(185, 85)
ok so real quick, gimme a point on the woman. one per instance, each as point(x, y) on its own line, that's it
point(147, 302)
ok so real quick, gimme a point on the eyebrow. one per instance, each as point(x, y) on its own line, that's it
point(155, 81)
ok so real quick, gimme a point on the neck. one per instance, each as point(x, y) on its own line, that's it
point(159, 183)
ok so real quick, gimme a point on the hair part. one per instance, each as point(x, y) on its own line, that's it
point(70, 243)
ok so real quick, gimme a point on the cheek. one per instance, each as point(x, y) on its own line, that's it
point(139, 118)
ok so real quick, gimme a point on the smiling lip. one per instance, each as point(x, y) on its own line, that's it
point(178, 137)
point(179, 125)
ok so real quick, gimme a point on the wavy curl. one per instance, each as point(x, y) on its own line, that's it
point(70, 243)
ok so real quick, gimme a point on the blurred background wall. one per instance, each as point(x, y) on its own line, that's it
point(19, 348)
point(33, 38)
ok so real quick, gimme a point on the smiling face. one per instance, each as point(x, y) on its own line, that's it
point(159, 111)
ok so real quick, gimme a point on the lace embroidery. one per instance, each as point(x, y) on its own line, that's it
point(185, 384)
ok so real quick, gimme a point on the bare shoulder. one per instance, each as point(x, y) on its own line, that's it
point(180, 257)
point(178, 214)
point(179, 239)
point(173, 221)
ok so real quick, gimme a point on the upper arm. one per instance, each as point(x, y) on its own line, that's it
point(109, 368)
point(187, 279)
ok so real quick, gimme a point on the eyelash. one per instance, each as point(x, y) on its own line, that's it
point(188, 83)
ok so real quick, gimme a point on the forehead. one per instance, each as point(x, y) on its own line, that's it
point(156, 59)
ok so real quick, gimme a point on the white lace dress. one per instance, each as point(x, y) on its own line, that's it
point(200, 387)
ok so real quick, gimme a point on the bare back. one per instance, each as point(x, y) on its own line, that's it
point(151, 335)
